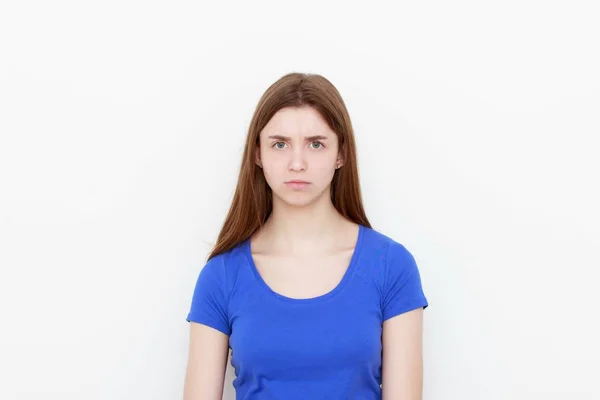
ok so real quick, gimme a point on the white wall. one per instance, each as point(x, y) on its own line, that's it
point(122, 125)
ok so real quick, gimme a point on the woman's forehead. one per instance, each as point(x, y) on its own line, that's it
point(292, 122)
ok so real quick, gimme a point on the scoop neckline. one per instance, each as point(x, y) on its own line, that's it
point(345, 278)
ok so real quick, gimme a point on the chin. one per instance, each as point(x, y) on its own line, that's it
point(298, 199)
point(299, 202)
point(295, 199)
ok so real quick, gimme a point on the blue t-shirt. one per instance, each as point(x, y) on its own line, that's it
point(325, 347)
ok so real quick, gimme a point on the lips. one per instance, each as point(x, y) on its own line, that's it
point(297, 184)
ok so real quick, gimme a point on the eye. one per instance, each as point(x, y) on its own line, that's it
point(276, 145)
point(318, 143)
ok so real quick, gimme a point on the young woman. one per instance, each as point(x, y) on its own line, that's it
point(312, 301)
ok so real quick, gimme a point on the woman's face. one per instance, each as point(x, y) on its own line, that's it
point(298, 145)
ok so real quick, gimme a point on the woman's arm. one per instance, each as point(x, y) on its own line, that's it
point(207, 362)
point(402, 365)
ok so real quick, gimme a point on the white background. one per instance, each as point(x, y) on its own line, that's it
point(122, 125)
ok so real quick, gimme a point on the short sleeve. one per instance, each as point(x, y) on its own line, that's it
point(402, 289)
point(211, 296)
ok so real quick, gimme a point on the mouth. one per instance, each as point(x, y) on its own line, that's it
point(297, 184)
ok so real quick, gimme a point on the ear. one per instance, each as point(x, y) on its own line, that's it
point(257, 157)
point(339, 161)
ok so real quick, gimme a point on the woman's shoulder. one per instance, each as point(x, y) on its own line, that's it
point(387, 255)
point(396, 272)
point(227, 264)
point(378, 241)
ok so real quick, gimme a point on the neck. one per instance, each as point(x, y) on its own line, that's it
point(300, 229)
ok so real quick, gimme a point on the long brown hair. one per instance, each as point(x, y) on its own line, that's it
point(252, 202)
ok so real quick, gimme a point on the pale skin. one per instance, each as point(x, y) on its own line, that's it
point(299, 254)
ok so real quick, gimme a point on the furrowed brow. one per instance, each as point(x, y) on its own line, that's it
point(307, 138)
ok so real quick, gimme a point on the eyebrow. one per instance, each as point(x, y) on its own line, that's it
point(308, 138)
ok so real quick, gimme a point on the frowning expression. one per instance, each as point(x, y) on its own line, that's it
point(298, 153)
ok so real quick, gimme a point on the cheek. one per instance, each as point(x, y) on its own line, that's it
point(323, 164)
point(272, 162)
point(273, 168)
point(270, 175)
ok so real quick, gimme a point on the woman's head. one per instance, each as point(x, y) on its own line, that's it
point(297, 145)
point(300, 130)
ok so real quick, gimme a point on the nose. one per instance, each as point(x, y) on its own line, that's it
point(297, 162)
